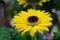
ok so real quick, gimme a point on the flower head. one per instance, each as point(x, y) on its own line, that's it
point(32, 21)
point(30, 2)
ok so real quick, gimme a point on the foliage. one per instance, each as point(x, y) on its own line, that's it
point(12, 34)
point(57, 35)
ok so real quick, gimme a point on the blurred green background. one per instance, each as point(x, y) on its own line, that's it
point(9, 8)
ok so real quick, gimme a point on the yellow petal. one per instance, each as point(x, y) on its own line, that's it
point(40, 3)
point(22, 29)
point(33, 31)
point(46, 24)
point(25, 5)
point(26, 30)
point(45, 28)
point(43, 0)
point(40, 31)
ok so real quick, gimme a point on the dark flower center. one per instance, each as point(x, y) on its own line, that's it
point(33, 1)
point(32, 19)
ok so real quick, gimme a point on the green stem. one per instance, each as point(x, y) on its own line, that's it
point(34, 5)
point(32, 38)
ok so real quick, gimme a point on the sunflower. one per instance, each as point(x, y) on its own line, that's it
point(30, 2)
point(32, 21)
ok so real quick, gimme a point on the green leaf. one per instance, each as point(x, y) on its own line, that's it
point(35, 37)
point(57, 35)
point(10, 34)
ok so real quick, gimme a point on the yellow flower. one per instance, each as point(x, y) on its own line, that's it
point(32, 21)
point(30, 2)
